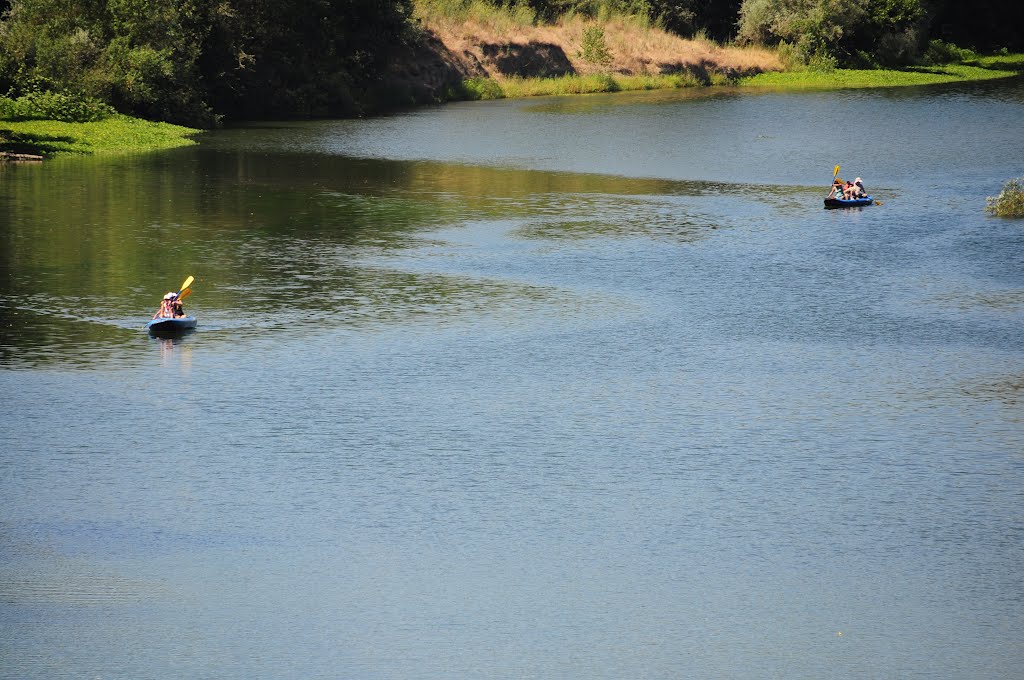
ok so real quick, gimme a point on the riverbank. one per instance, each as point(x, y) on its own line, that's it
point(487, 53)
point(838, 79)
point(477, 51)
point(475, 58)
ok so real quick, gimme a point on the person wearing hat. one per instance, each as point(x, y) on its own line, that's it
point(170, 307)
point(858, 189)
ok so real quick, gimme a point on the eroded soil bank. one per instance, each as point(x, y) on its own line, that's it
point(449, 52)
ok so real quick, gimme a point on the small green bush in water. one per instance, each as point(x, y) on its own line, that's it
point(1010, 201)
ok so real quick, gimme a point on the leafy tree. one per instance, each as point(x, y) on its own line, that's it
point(180, 60)
point(305, 57)
point(850, 31)
point(138, 55)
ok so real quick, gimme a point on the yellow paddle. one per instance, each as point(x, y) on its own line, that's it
point(186, 284)
point(184, 294)
point(835, 173)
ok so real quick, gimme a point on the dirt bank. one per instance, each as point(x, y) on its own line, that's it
point(450, 51)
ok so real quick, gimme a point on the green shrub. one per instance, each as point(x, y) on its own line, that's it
point(1010, 201)
point(822, 62)
point(888, 30)
point(60, 106)
point(940, 52)
point(899, 48)
point(481, 88)
point(792, 59)
point(795, 58)
point(594, 49)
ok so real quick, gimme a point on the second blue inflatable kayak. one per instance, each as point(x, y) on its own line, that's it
point(851, 203)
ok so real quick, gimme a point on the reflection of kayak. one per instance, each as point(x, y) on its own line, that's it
point(170, 326)
point(848, 203)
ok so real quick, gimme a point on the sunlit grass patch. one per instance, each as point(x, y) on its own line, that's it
point(534, 87)
point(116, 134)
point(1005, 62)
point(514, 88)
point(857, 78)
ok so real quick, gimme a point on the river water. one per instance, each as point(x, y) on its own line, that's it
point(583, 387)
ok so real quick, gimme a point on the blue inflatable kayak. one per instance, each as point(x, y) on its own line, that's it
point(171, 326)
point(851, 203)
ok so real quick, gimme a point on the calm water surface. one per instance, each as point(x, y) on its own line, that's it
point(564, 388)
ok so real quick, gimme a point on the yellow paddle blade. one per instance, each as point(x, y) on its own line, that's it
point(187, 283)
point(835, 173)
point(184, 294)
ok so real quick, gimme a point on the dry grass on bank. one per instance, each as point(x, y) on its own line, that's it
point(642, 50)
point(474, 30)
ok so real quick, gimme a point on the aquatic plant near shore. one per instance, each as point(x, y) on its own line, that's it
point(115, 134)
point(1010, 201)
point(986, 69)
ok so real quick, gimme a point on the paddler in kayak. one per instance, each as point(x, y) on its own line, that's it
point(170, 307)
point(837, 189)
point(847, 191)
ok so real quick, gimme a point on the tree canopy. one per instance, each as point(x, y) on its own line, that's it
point(188, 61)
point(877, 32)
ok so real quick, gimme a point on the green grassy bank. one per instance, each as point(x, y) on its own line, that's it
point(985, 68)
point(115, 134)
point(515, 88)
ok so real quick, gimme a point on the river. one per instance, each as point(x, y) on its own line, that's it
point(585, 387)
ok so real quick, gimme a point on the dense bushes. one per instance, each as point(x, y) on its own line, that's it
point(187, 61)
point(874, 33)
point(140, 56)
point(50, 105)
point(941, 52)
point(847, 32)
